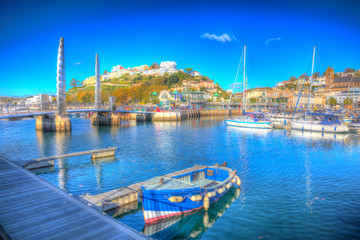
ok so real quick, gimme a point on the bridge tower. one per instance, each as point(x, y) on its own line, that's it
point(61, 122)
point(97, 84)
point(102, 118)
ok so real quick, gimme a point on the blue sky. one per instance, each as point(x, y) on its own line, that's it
point(279, 36)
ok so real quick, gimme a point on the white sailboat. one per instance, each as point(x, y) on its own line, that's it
point(251, 120)
point(320, 122)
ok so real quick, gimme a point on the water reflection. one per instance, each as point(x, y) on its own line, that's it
point(192, 225)
point(320, 135)
point(252, 131)
point(99, 171)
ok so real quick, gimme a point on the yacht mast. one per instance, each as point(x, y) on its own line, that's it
point(244, 80)
point(312, 72)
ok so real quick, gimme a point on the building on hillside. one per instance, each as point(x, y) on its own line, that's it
point(344, 83)
point(195, 74)
point(341, 96)
point(140, 68)
point(279, 84)
point(304, 100)
point(168, 65)
point(42, 100)
point(208, 85)
point(254, 93)
point(151, 71)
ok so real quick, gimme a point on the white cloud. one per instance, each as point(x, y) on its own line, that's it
point(77, 64)
point(222, 38)
point(267, 42)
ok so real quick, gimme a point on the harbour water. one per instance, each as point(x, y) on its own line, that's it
point(295, 185)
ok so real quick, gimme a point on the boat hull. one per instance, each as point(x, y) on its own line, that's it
point(306, 126)
point(244, 124)
point(158, 204)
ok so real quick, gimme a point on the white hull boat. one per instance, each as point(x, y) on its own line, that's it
point(248, 124)
point(316, 126)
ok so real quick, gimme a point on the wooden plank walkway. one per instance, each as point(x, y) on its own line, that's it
point(31, 208)
point(74, 154)
point(117, 197)
point(49, 161)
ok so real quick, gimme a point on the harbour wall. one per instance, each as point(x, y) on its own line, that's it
point(176, 116)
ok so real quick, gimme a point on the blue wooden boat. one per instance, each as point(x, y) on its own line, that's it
point(165, 197)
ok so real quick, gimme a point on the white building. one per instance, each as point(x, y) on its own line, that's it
point(195, 73)
point(168, 65)
point(43, 100)
point(341, 96)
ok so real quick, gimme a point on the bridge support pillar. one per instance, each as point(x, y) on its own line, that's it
point(105, 120)
point(53, 124)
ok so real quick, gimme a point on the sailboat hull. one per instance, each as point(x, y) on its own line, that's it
point(245, 124)
point(315, 127)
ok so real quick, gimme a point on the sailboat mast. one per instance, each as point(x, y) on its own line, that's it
point(312, 72)
point(244, 80)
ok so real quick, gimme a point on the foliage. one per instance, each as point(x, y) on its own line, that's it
point(293, 79)
point(332, 101)
point(303, 75)
point(349, 70)
point(348, 101)
point(105, 72)
point(253, 100)
point(154, 66)
point(172, 79)
point(74, 83)
point(189, 70)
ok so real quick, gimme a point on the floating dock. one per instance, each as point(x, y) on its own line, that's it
point(31, 208)
point(125, 195)
point(49, 161)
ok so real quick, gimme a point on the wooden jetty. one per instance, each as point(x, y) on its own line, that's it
point(49, 161)
point(31, 208)
point(125, 195)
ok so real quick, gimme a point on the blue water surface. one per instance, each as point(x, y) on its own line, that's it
point(295, 185)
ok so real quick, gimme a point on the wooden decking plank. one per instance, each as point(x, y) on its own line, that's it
point(31, 208)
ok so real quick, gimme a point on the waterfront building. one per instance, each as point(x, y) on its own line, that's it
point(341, 96)
point(42, 100)
point(165, 95)
point(343, 83)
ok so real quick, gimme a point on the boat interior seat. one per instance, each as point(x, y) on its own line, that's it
point(203, 182)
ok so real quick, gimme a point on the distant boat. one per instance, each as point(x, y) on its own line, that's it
point(318, 122)
point(250, 120)
point(165, 197)
point(327, 123)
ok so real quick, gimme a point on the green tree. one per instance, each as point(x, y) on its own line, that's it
point(332, 101)
point(74, 83)
point(349, 70)
point(154, 66)
point(173, 79)
point(348, 101)
point(105, 72)
point(189, 70)
point(293, 79)
point(252, 100)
